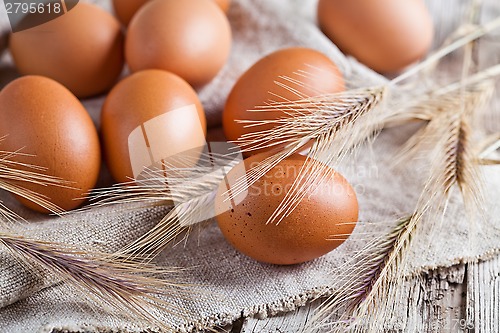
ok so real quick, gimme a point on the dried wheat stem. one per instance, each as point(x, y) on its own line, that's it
point(471, 80)
point(477, 88)
point(179, 220)
point(448, 136)
point(476, 33)
point(329, 149)
point(14, 176)
point(305, 124)
point(190, 188)
point(134, 291)
point(359, 275)
point(320, 118)
point(487, 148)
point(490, 145)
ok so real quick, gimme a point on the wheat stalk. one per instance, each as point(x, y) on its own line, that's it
point(133, 291)
point(318, 119)
point(369, 298)
point(486, 148)
point(479, 85)
point(178, 221)
point(452, 164)
point(355, 281)
point(473, 34)
point(344, 112)
point(336, 141)
point(188, 186)
point(13, 178)
point(450, 112)
point(336, 124)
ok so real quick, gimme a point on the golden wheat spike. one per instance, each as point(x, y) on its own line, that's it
point(14, 176)
point(189, 188)
point(355, 280)
point(123, 287)
point(448, 141)
point(320, 118)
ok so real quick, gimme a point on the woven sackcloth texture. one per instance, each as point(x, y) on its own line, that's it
point(32, 302)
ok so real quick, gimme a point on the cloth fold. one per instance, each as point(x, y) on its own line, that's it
point(244, 287)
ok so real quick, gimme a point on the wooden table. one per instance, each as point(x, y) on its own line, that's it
point(462, 298)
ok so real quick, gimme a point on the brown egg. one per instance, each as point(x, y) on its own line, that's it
point(190, 38)
point(312, 74)
point(126, 9)
point(386, 35)
point(82, 49)
point(331, 209)
point(45, 120)
point(148, 117)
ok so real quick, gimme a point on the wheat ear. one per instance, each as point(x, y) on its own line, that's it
point(14, 176)
point(188, 186)
point(133, 291)
point(355, 280)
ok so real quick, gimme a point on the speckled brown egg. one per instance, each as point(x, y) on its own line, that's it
point(42, 119)
point(82, 49)
point(386, 35)
point(147, 117)
point(126, 9)
point(330, 209)
point(190, 38)
point(300, 73)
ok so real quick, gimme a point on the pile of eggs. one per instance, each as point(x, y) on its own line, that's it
point(67, 59)
point(172, 48)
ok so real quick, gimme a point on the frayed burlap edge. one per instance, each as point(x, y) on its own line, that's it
point(261, 311)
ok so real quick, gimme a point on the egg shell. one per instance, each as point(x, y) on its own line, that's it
point(328, 210)
point(42, 118)
point(385, 35)
point(126, 9)
point(82, 49)
point(190, 38)
point(312, 72)
point(135, 104)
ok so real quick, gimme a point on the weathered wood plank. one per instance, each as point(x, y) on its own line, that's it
point(434, 303)
point(442, 307)
point(290, 322)
point(483, 296)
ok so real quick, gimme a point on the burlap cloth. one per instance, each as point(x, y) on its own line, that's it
point(239, 285)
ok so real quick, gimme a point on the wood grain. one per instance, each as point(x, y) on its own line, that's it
point(483, 294)
point(462, 298)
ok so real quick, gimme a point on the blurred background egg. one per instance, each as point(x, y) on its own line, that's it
point(191, 38)
point(385, 35)
point(328, 210)
point(126, 9)
point(41, 118)
point(302, 72)
point(149, 116)
point(82, 49)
